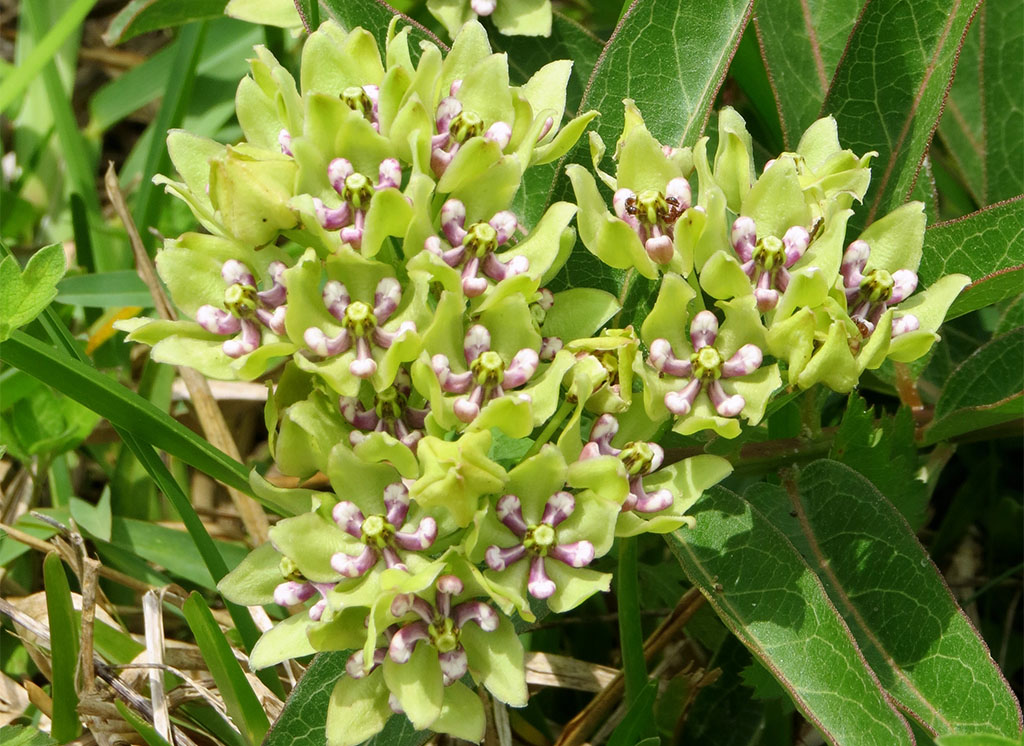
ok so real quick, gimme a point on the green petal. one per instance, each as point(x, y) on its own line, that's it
point(333, 60)
point(358, 710)
point(642, 163)
point(359, 481)
point(578, 312)
point(819, 142)
point(485, 90)
point(734, 159)
point(462, 714)
point(343, 631)
point(544, 389)
point(776, 201)
point(606, 475)
point(496, 660)
point(287, 501)
point(833, 364)
point(523, 17)
point(575, 585)
point(792, 340)
point(722, 277)
point(417, 685)
point(541, 246)
point(469, 49)
point(253, 581)
point(251, 195)
point(593, 520)
point(284, 641)
point(382, 447)
point(536, 479)
point(511, 413)
point(389, 215)
point(930, 308)
point(896, 239)
point(191, 156)
point(668, 318)
point(310, 540)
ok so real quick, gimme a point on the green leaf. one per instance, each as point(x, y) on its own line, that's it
point(888, 89)
point(23, 295)
point(977, 739)
point(140, 16)
point(148, 732)
point(986, 389)
point(801, 44)
point(122, 407)
point(987, 246)
point(765, 593)
point(962, 127)
point(638, 720)
point(921, 645)
point(885, 454)
point(375, 16)
point(96, 519)
point(20, 735)
point(303, 719)
point(239, 698)
point(1002, 71)
point(63, 649)
point(105, 290)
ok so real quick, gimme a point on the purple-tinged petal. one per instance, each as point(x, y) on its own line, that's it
point(904, 324)
point(336, 299)
point(408, 602)
point(510, 512)
point(476, 342)
point(245, 343)
point(660, 248)
point(325, 346)
point(331, 218)
point(386, 298)
point(852, 268)
point(450, 584)
point(504, 224)
point(539, 584)
point(338, 170)
point(653, 502)
point(703, 330)
point(549, 347)
point(663, 360)
point(404, 642)
point(744, 237)
point(678, 189)
point(355, 415)
point(453, 383)
point(558, 507)
point(453, 218)
point(391, 559)
point(389, 175)
point(420, 539)
point(576, 554)
point(447, 109)
point(383, 338)
point(349, 566)
point(545, 128)
point(499, 132)
point(468, 407)
point(904, 284)
point(521, 368)
point(475, 611)
point(217, 320)
point(619, 204)
point(498, 270)
point(604, 429)
point(236, 273)
point(796, 241)
point(364, 366)
point(284, 141)
point(316, 611)
point(396, 502)
point(725, 405)
point(273, 320)
point(293, 593)
point(499, 559)
point(277, 293)
point(454, 663)
point(681, 402)
point(349, 518)
point(472, 285)
point(744, 361)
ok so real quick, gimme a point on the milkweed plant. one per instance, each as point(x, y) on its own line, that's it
point(488, 438)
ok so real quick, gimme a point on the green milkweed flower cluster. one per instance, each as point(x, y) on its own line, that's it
point(360, 245)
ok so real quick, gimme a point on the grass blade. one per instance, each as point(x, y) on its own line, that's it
point(631, 636)
point(63, 649)
point(18, 79)
point(144, 729)
point(242, 703)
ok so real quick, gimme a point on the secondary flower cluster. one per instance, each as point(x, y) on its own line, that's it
point(486, 439)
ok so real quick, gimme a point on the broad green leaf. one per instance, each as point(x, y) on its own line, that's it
point(987, 246)
point(301, 723)
point(962, 127)
point(884, 453)
point(801, 43)
point(241, 701)
point(888, 89)
point(24, 294)
point(637, 721)
point(924, 650)
point(20, 735)
point(765, 593)
point(375, 16)
point(986, 389)
point(1002, 71)
point(977, 739)
point(63, 649)
point(140, 16)
point(121, 406)
point(105, 290)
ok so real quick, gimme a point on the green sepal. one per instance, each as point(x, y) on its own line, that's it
point(462, 714)
point(253, 581)
point(417, 685)
point(896, 240)
point(496, 660)
point(734, 159)
point(930, 308)
point(309, 540)
point(333, 60)
point(358, 709)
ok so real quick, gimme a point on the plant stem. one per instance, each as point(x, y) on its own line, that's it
point(631, 639)
point(549, 429)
